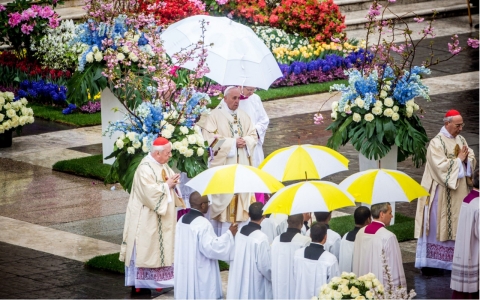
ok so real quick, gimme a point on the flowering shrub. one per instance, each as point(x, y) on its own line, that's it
point(43, 92)
point(14, 113)
point(317, 20)
point(21, 22)
point(376, 110)
point(314, 51)
point(91, 107)
point(329, 68)
point(54, 50)
point(13, 68)
point(170, 11)
point(276, 38)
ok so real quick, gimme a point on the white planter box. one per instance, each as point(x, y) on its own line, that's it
point(387, 162)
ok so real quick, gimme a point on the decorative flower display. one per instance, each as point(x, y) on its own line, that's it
point(14, 113)
point(26, 21)
point(43, 92)
point(170, 11)
point(175, 121)
point(275, 38)
point(377, 109)
point(54, 49)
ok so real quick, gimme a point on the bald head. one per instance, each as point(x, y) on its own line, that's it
point(295, 221)
point(198, 201)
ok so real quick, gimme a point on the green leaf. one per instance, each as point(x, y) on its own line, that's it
point(389, 130)
point(379, 129)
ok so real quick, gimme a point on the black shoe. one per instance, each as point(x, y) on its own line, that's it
point(426, 271)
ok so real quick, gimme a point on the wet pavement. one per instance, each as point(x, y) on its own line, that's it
point(80, 207)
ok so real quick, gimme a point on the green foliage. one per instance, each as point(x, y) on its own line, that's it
point(381, 133)
point(403, 228)
point(90, 81)
point(107, 262)
point(55, 114)
point(124, 167)
point(90, 166)
point(111, 263)
point(297, 90)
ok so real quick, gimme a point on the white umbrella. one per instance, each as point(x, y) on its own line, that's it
point(238, 56)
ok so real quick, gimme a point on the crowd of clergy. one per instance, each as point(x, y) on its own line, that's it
point(281, 256)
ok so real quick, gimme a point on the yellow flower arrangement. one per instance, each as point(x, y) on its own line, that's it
point(314, 51)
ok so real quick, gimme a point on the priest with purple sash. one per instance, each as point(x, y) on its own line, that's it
point(374, 240)
point(464, 281)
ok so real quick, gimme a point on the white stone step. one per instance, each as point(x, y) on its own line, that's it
point(445, 8)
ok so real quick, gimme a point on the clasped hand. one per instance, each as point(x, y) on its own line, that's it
point(241, 143)
point(463, 154)
point(172, 181)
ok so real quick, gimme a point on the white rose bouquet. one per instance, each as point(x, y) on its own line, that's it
point(348, 286)
point(14, 113)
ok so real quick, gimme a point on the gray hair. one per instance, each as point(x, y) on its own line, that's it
point(447, 119)
point(228, 89)
point(159, 148)
point(376, 209)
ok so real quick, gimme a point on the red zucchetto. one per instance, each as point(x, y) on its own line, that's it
point(452, 113)
point(160, 141)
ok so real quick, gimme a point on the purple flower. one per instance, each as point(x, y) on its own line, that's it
point(472, 43)
point(418, 19)
point(2, 7)
point(15, 19)
point(26, 29)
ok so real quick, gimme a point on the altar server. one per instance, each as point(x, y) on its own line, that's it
point(362, 218)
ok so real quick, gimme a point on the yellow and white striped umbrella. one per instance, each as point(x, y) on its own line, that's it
point(232, 179)
point(308, 196)
point(304, 162)
point(382, 185)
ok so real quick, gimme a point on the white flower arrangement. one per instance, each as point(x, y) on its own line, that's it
point(14, 113)
point(277, 38)
point(54, 49)
point(348, 286)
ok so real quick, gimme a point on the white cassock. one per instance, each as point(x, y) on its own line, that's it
point(345, 259)
point(465, 258)
point(254, 108)
point(197, 251)
point(371, 240)
point(283, 250)
point(250, 273)
point(310, 273)
point(270, 228)
point(332, 244)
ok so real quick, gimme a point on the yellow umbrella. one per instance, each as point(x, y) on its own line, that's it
point(308, 196)
point(382, 185)
point(232, 179)
point(304, 162)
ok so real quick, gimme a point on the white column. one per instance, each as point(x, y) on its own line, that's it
point(109, 102)
point(387, 162)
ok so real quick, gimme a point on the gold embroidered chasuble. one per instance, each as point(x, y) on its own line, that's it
point(442, 170)
point(222, 123)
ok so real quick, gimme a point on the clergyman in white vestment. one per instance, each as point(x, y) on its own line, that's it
point(250, 273)
point(270, 228)
point(373, 240)
point(362, 218)
point(229, 123)
point(283, 250)
point(148, 235)
point(332, 244)
point(197, 251)
point(253, 106)
point(449, 163)
point(464, 281)
point(313, 266)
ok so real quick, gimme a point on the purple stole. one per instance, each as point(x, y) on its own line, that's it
point(472, 195)
point(373, 227)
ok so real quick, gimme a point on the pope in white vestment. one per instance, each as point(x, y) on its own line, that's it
point(313, 266)
point(148, 236)
point(227, 122)
point(253, 106)
point(250, 273)
point(362, 218)
point(465, 273)
point(373, 241)
point(449, 163)
point(283, 251)
point(197, 251)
